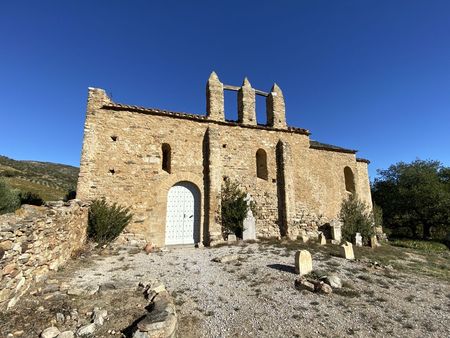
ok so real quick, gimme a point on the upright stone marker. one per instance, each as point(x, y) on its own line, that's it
point(358, 239)
point(249, 232)
point(322, 239)
point(374, 241)
point(347, 251)
point(232, 238)
point(336, 231)
point(303, 262)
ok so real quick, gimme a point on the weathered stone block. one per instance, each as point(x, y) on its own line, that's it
point(358, 239)
point(347, 251)
point(322, 240)
point(373, 241)
point(232, 238)
point(249, 232)
point(303, 262)
point(336, 231)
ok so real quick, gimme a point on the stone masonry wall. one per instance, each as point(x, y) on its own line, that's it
point(35, 240)
point(122, 161)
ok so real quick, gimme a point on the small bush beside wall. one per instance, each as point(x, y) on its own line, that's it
point(107, 221)
point(234, 208)
point(9, 199)
point(30, 198)
point(70, 195)
point(356, 218)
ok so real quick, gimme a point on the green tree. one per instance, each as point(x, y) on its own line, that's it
point(356, 217)
point(415, 198)
point(234, 208)
point(9, 199)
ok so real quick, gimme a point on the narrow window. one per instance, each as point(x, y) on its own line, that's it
point(166, 157)
point(349, 180)
point(261, 164)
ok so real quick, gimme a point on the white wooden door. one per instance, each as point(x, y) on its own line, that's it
point(182, 221)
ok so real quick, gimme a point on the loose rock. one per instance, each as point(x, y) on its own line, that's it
point(60, 317)
point(322, 288)
point(99, 316)
point(149, 248)
point(50, 332)
point(226, 259)
point(303, 284)
point(86, 330)
point(66, 334)
point(333, 280)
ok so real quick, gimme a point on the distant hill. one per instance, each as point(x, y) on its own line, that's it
point(50, 180)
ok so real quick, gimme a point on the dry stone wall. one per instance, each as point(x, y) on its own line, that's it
point(35, 240)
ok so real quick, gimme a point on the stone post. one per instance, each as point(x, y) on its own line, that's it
point(246, 104)
point(215, 109)
point(213, 185)
point(276, 110)
point(285, 187)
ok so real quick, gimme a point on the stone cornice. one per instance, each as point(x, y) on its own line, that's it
point(198, 118)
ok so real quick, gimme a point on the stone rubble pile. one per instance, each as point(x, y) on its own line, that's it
point(325, 285)
point(98, 317)
point(161, 319)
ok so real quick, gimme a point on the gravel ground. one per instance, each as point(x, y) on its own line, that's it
point(255, 296)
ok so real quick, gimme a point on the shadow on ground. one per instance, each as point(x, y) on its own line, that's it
point(282, 267)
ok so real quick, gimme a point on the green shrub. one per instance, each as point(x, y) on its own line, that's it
point(30, 198)
point(426, 246)
point(9, 199)
point(106, 221)
point(9, 173)
point(234, 208)
point(70, 195)
point(356, 218)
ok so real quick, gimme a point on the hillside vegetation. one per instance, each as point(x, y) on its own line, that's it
point(51, 181)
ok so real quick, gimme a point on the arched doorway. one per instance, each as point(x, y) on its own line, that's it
point(183, 214)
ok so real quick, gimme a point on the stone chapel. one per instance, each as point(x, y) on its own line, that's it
point(169, 167)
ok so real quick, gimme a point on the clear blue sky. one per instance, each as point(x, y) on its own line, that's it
point(367, 75)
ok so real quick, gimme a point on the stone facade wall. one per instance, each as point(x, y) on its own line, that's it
point(122, 161)
point(35, 240)
point(363, 182)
